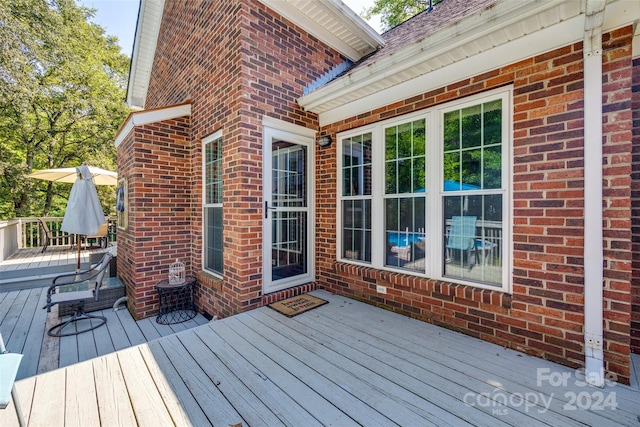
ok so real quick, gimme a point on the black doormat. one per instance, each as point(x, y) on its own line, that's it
point(295, 305)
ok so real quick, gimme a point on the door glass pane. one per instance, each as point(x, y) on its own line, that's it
point(288, 244)
point(289, 175)
point(289, 220)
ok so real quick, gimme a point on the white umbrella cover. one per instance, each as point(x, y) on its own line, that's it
point(84, 212)
point(100, 176)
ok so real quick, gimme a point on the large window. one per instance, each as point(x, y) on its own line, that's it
point(212, 212)
point(439, 178)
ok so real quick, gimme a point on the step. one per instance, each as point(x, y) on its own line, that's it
point(34, 278)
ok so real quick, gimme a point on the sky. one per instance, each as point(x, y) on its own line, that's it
point(119, 17)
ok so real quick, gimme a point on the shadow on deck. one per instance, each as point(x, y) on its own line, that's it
point(23, 324)
point(344, 363)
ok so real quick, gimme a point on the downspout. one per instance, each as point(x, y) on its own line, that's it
point(593, 229)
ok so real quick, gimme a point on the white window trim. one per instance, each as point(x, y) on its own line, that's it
point(434, 146)
point(206, 140)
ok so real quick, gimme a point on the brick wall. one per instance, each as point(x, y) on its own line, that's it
point(235, 62)
point(635, 209)
point(544, 315)
point(154, 158)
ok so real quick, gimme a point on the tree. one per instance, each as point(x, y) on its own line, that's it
point(62, 91)
point(395, 12)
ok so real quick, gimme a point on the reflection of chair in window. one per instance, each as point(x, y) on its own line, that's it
point(462, 237)
point(49, 237)
point(402, 252)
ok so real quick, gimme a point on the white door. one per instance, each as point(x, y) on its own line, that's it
point(288, 228)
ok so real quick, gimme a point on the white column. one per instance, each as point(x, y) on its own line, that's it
point(593, 230)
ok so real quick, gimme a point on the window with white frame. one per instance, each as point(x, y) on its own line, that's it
point(212, 211)
point(440, 177)
point(356, 197)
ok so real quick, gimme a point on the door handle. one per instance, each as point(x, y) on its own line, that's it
point(267, 208)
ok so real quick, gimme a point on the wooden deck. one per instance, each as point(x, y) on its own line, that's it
point(33, 258)
point(23, 323)
point(345, 363)
point(30, 268)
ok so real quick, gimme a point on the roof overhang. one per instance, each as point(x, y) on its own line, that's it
point(333, 23)
point(144, 49)
point(328, 20)
point(501, 34)
point(141, 118)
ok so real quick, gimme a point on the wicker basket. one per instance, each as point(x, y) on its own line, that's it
point(112, 289)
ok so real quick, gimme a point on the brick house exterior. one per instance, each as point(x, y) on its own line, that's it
point(227, 70)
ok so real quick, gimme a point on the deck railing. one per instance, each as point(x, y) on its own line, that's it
point(20, 233)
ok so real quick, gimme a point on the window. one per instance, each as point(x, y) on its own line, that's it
point(404, 200)
point(356, 201)
point(439, 177)
point(212, 215)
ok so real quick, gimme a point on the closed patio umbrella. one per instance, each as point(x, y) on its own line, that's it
point(84, 214)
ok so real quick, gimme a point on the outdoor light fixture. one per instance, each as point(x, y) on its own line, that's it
point(324, 140)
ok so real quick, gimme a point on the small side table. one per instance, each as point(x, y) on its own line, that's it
point(175, 302)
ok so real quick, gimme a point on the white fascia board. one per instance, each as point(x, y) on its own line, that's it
point(144, 48)
point(473, 27)
point(560, 35)
point(342, 14)
point(141, 118)
point(453, 41)
point(274, 123)
point(357, 25)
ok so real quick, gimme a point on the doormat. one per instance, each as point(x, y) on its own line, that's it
point(293, 306)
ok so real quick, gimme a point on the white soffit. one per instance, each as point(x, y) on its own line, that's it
point(144, 48)
point(141, 118)
point(333, 23)
point(507, 32)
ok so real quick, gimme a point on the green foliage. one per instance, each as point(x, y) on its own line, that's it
point(395, 12)
point(62, 90)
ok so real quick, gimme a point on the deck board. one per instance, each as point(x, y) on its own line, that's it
point(438, 379)
point(50, 396)
point(403, 406)
point(216, 407)
point(134, 334)
point(148, 330)
point(326, 373)
point(253, 410)
point(113, 404)
point(146, 400)
point(32, 348)
point(486, 356)
point(81, 403)
point(345, 363)
point(13, 314)
point(183, 407)
point(635, 371)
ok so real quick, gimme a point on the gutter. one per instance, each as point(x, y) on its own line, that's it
point(593, 229)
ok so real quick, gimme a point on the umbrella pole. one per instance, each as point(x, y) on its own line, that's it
point(78, 242)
